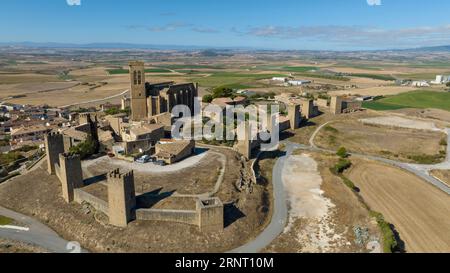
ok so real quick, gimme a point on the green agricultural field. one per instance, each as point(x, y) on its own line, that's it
point(190, 66)
point(374, 76)
point(233, 80)
point(126, 71)
point(323, 76)
point(416, 99)
point(359, 66)
point(299, 68)
point(420, 76)
point(285, 68)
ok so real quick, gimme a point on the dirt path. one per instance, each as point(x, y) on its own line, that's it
point(419, 211)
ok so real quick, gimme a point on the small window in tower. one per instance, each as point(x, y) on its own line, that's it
point(139, 77)
point(135, 77)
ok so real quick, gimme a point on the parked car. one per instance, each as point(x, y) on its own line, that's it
point(143, 159)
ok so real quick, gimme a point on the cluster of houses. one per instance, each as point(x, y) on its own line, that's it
point(22, 125)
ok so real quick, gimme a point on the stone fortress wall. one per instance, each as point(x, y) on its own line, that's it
point(121, 205)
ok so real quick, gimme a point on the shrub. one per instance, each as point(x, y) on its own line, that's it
point(208, 98)
point(342, 152)
point(349, 183)
point(5, 221)
point(389, 241)
point(8, 158)
point(112, 111)
point(84, 149)
point(342, 165)
point(427, 159)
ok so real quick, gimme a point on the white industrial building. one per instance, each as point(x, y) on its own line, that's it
point(420, 84)
point(279, 79)
point(298, 82)
point(441, 79)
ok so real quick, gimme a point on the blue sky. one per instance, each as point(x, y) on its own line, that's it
point(288, 24)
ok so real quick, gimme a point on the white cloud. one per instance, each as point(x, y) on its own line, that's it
point(362, 36)
point(374, 2)
point(73, 2)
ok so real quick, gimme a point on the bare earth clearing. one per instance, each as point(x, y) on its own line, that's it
point(322, 211)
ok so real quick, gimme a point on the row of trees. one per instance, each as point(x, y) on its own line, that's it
point(226, 92)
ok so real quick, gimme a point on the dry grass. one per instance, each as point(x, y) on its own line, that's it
point(418, 210)
point(443, 175)
point(376, 91)
point(8, 246)
point(383, 141)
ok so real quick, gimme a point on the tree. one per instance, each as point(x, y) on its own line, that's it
point(208, 98)
point(222, 92)
point(112, 111)
point(342, 165)
point(342, 152)
point(84, 149)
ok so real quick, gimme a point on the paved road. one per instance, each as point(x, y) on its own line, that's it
point(38, 234)
point(280, 211)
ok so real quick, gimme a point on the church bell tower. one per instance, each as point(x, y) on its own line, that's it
point(138, 92)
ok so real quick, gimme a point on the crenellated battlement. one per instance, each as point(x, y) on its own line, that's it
point(53, 134)
point(136, 63)
point(116, 174)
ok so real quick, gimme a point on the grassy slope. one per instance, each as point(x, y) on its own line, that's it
point(416, 99)
point(5, 221)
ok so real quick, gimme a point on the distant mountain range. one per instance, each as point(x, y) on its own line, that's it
point(124, 46)
point(432, 49)
point(112, 46)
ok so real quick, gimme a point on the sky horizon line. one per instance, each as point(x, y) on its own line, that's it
point(283, 25)
point(142, 46)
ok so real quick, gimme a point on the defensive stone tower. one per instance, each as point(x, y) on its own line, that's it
point(54, 145)
point(70, 174)
point(138, 91)
point(308, 108)
point(121, 198)
point(336, 105)
point(294, 115)
point(210, 214)
point(245, 146)
point(84, 118)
